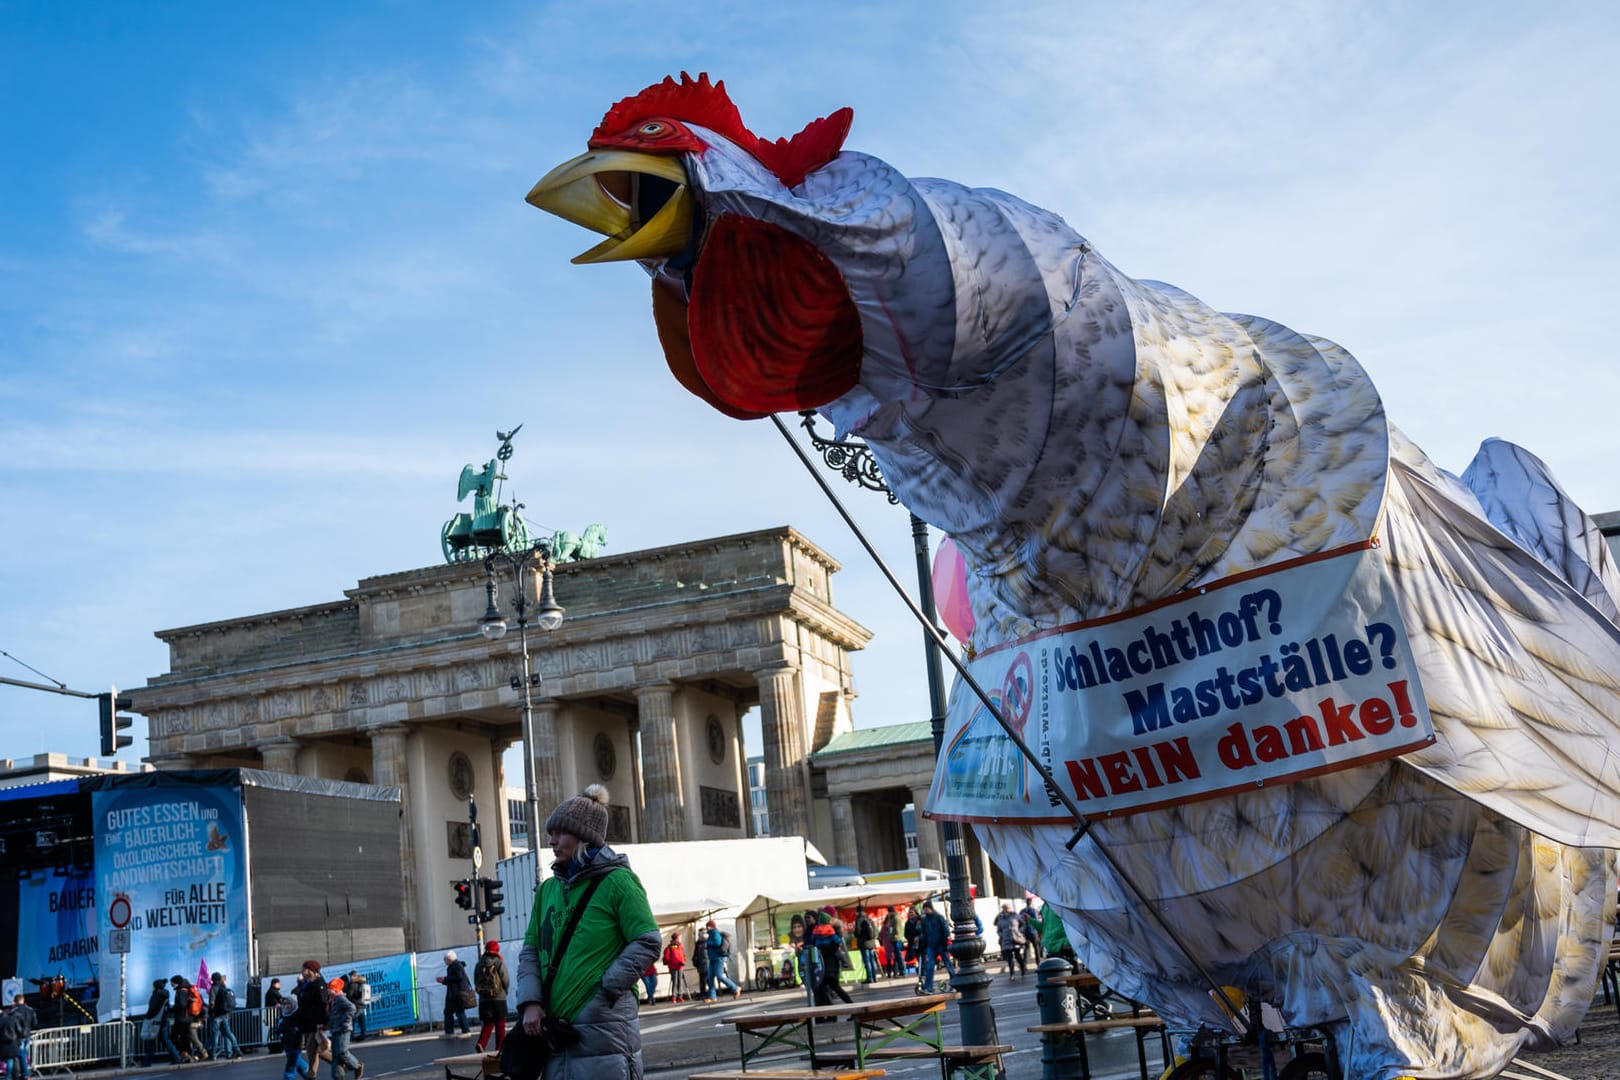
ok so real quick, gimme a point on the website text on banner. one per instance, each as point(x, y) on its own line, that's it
point(1257, 679)
point(176, 854)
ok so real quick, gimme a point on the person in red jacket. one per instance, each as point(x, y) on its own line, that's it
point(675, 961)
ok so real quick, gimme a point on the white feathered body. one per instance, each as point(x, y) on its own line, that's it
point(1093, 443)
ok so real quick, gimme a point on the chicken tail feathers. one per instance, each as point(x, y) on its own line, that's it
point(1519, 496)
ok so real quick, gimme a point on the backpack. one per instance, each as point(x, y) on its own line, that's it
point(193, 1002)
point(725, 943)
point(484, 978)
point(227, 998)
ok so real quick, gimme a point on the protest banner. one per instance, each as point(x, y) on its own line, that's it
point(57, 925)
point(177, 854)
point(1261, 678)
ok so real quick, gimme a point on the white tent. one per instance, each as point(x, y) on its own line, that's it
point(684, 912)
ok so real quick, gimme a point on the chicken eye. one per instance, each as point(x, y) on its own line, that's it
point(653, 128)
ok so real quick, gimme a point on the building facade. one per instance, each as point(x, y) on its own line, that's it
point(644, 687)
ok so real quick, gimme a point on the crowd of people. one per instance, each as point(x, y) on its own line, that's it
point(591, 942)
point(190, 1023)
point(900, 941)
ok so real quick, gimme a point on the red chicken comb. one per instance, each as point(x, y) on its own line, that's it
point(698, 101)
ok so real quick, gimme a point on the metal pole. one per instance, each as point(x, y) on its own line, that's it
point(477, 917)
point(978, 1016)
point(530, 796)
point(123, 1012)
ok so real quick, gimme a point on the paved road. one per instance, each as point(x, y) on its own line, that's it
point(681, 1039)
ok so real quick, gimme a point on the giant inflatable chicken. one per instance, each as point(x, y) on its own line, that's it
point(1094, 444)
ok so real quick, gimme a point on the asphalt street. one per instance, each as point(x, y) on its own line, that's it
point(681, 1039)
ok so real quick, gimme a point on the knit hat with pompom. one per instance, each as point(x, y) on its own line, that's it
point(585, 816)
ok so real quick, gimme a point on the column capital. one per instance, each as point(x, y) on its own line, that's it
point(386, 729)
point(780, 667)
point(648, 689)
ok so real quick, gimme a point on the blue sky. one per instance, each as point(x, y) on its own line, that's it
point(267, 280)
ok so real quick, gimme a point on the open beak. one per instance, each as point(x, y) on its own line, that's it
point(640, 202)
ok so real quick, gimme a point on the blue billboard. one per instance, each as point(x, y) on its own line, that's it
point(177, 855)
point(56, 926)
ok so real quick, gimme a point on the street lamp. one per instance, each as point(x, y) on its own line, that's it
point(853, 460)
point(548, 616)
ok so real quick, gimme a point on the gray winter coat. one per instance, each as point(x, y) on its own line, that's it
point(609, 1046)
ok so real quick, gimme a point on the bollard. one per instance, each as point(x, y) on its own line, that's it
point(1060, 1054)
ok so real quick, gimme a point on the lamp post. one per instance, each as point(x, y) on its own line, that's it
point(853, 460)
point(548, 617)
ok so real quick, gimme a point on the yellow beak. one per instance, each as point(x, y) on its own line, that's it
point(640, 202)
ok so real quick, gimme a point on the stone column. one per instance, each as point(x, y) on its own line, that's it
point(929, 852)
point(661, 764)
point(638, 795)
point(742, 774)
point(281, 755)
point(503, 826)
point(781, 715)
point(845, 850)
point(548, 790)
point(390, 768)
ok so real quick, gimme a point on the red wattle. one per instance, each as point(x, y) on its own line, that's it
point(771, 324)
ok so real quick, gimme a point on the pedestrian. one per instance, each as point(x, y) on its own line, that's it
point(866, 940)
point(13, 1032)
point(459, 995)
point(358, 990)
point(649, 982)
point(810, 957)
point(292, 1041)
point(1054, 939)
point(700, 961)
point(155, 1024)
point(913, 934)
point(936, 940)
point(675, 961)
point(188, 1012)
point(222, 1041)
point(30, 1023)
point(591, 933)
point(491, 982)
point(889, 940)
point(1010, 936)
point(1032, 929)
point(310, 1014)
point(340, 1027)
point(829, 943)
point(273, 997)
point(718, 951)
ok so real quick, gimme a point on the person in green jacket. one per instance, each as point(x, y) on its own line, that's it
point(1054, 939)
point(587, 1013)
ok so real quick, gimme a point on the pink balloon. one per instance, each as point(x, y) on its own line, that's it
point(951, 590)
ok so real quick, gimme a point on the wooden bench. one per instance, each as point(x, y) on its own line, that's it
point(476, 1066)
point(1142, 1024)
point(789, 1074)
point(968, 1062)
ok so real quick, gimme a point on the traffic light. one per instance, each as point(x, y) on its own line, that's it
point(464, 894)
point(493, 905)
point(112, 723)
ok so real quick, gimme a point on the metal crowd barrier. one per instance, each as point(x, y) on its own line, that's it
point(66, 1048)
point(88, 1044)
point(82, 1044)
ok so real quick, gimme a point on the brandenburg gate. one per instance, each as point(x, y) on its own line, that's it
point(644, 688)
